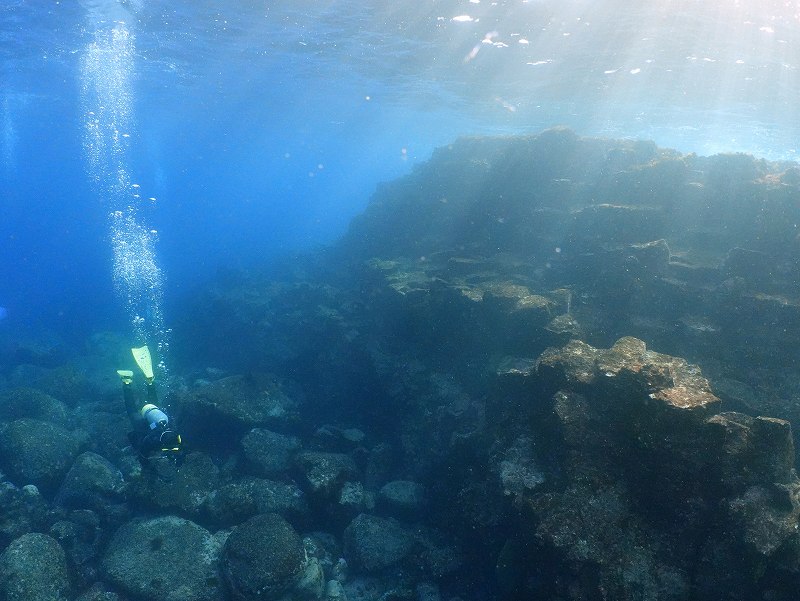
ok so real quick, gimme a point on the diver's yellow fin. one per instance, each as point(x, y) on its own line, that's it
point(142, 357)
point(126, 375)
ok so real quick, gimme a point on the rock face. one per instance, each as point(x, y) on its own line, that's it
point(448, 320)
point(34, 567)
point(263, 558)
point(456, 401)
point(647, 462)
point(164, 559)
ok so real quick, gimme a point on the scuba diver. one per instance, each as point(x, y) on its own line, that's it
point(156, 443)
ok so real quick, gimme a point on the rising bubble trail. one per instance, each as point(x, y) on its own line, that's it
point(106, 76)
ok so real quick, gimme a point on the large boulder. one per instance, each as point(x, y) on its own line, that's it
point(37, 452)
point(91, 483)
point(263, 558)
point(82, 537)
point(402, 497)
point(269, 453)
point(373, 543)
point(164, 559)
point(184, 489)
point(64, 382)
point(235, 404)
point(324, 474)
point(235, 502)
point(30, 402)
point(34, 567)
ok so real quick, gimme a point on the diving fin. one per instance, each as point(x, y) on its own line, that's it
point(142, 357)
point(126, 375)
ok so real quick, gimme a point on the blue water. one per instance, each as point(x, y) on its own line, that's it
point(261, 128)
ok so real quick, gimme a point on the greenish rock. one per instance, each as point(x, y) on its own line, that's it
point(311, 585)
point(354, 499)
point(402, 496)
point(239, 403)
point(186, 491)
point(91, 483)
point(269, 453)
point(238, 501)
point(30, 402)
point(765, 518)
point(64, 382)
point(34, 567)
point(325, 473)
point(37, 452)
point(97, 592)
point(374, 543)
point(22, 510)
point(263, 558)
point(334, 591)
point(164, 559)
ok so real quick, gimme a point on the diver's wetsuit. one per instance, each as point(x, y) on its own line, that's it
point(146, 436)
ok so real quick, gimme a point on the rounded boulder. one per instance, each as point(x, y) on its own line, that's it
point(34, 566)
point(164, 559)
point(374, 543)
point(263, 558)
point(37, 452)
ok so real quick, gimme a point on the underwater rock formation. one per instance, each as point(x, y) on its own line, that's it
point(263, 558)
point(374, 543)
point(594, 469)
point(460, 400)
point(651, 476)
point(165, 559)
point(92, 483)
point(34, 567)
point(37, 452)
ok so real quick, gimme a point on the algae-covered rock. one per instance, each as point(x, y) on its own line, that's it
point(97, 592)
point(22, 510)
point(373, 543)
point(750, 450)
point(64, 382)
point(30, 402)
point(263, 558)
point(81, 535)
point(34, 567)
point(269, 453)
point(186, 489)
point(325, 473)
point(91, 483)
point(402, 497)
point(164, 559)
point(236, 403)
point(237, 501)
point(37, 452)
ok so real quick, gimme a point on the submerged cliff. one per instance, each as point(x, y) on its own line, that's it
point(434, 323)
point(541, 367)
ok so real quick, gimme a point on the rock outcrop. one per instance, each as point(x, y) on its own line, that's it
point(650, 476)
